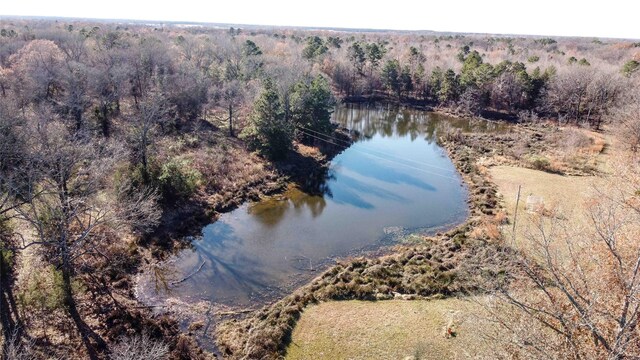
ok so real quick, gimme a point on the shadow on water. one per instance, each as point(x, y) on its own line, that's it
point(394, 180)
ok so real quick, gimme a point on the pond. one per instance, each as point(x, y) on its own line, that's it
point(393, 181)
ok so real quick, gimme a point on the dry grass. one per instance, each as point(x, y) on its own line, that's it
point(393, 329)
point(566, 194)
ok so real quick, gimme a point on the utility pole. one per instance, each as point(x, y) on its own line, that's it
point(515, 216)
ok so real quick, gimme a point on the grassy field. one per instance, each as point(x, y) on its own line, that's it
point(566, 194)
point(394, 329)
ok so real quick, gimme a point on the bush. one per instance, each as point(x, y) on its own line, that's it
point(584, 62)
point(139, 347)
point(540, 163)
point(533, 58)
point(42, 290)
point(630, 67)
point(177, 179)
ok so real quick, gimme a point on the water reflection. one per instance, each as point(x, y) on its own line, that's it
point(394, 121)
point(271, 210)
point(394, 177)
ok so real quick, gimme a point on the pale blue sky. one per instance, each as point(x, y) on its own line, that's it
point(612, 18)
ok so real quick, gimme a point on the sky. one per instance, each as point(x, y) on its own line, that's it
point(589, 18)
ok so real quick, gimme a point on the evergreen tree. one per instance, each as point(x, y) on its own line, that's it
point(630, 67)
point(468, 76)
point(251, 49)
point(406, 81)
point(269, 132)
point(435, 82)
point(312, 104)
point(449, 90)
point(375, 53)
point(315, 47)
point(391, 77)
point(357, 56)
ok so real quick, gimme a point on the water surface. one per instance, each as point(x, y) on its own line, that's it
point(393, 181)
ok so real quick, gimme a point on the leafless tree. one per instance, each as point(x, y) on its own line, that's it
point(582, 95)
point(109, 75)
point(16, 177)
point(151, 113)
point(69, 218)
point(626, 121)
point(576, 293)
point(506, 92)
point(35, 69)
point(231, 95)
point(74, 85)
point(16, 349)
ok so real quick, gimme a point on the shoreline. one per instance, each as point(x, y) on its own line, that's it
point(266, 333)
point(464, 150)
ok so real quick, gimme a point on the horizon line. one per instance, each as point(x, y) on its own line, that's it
point(299, 27)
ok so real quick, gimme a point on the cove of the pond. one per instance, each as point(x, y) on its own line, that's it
point(394, 180)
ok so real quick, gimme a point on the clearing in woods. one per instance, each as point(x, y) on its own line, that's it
point(392, 329)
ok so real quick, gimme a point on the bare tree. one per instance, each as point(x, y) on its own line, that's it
point(626, 121)
point(583, 95)
point(230, 96)
point(36, 70)
point(152, 111)
point(69, 218)
point(15, 180)
point(576, 293)
point(75, 100)
point(109, 74)
point(15, 349)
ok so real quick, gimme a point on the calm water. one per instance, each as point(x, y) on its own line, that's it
point(393, 181)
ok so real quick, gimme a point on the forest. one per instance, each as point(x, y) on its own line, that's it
point(113, 133)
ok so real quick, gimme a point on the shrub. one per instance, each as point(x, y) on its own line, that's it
point(43, 290)
point(630, 67)
point(139, 347)
point(540, 163)
point(533, 58)
point(177, 179)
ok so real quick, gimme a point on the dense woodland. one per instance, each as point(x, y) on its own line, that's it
point(107, 128)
